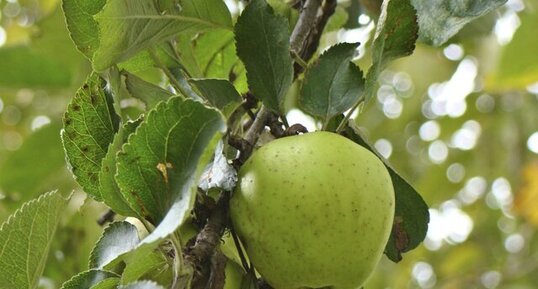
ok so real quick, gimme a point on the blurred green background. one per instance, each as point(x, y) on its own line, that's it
point(460, 122)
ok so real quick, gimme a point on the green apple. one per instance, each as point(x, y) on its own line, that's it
point(313, 211)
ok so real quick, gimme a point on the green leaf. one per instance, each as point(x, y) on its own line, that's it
point(89, 127)
point(518, 65)
point(441, 19)
point(142, 263)
point(149, 93)
point(24, 67)
point(411, 215)
point(338, 19)
point(110, 192)
point(262, 40)
point(82, 27)
point(333, 84)
point(212, 55)
point(127, 27)
point(117, 239)
point(43, 147)
point(26, 238)
point(395, 37)
point(109, 283)
point(87, 279)
point(142, 285)
point(143, 60)
point(220, 93)
point(215, 48)
point(158, 165)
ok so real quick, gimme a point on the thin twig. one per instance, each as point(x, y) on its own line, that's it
point(297, 58)
point(237, 243)
point(344, 121)
point(258, 125)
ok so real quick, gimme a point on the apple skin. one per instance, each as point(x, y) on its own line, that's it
point(313, 210)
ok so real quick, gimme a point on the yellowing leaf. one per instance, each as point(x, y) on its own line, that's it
point(526, 201)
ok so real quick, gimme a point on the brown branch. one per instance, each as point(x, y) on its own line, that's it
point(311, 43)
point(303, 28)
point(198, 255)
point(217, 276)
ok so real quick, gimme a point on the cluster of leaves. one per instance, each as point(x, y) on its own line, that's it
point(148, 164)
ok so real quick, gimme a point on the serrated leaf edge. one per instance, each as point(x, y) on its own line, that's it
point(26, 205)
point(86, 272)
point(103, 235)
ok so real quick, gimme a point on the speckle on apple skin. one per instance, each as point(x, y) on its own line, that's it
point(313, 210)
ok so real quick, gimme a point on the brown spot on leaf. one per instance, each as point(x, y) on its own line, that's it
point(93, 98)
point(400, 235)
point(163, 168)
point(140, 204)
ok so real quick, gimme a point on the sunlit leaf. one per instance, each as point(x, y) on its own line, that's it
point(139, 265)
point(212, 49)
point(82, 26)
point(142, 285)
point(125, 28)
point(338, 19)
point(157, 167)
point(262, 40)
point(89, 127)
point(213, 56)
point(395, 37)
point(26, 238)
point(333, 84)
point(441, 19)
point(108, 283)
point(87, 279)
point(118, 238)
point(149, 93)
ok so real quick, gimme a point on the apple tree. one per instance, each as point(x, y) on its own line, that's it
point(181, 129)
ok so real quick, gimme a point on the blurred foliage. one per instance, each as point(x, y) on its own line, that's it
point(457, 121)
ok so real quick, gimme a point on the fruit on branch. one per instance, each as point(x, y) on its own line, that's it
point(313, 210)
